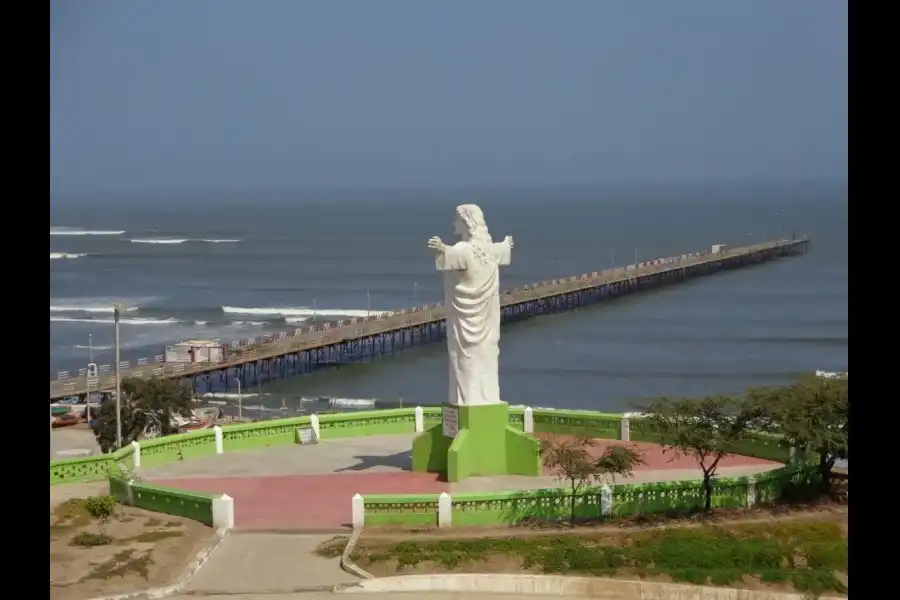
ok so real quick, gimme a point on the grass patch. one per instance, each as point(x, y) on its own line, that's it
point(121, 564)
point(70, 514)
point(805, 554)
point(155, 536)
point(89, 540)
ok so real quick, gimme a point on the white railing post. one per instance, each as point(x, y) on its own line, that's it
point(606, 500)
point(445, 510)
point(528, 420)
point(136, 456)
point(625, 428)
point(357, 511)
point(751, 491)
point(314, 423)
point(223, 512)
point(220, 444)
point(420, 419)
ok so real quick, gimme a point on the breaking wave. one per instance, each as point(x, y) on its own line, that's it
point(291, 314)
point(170, 241)
point(77, 231)
point(64, 255)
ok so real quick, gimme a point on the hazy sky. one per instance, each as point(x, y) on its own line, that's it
point(255, 94)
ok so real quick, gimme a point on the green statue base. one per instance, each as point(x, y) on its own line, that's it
point(476, 440)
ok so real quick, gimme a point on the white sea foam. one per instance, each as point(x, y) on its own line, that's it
point(62, 255)
point(76, 231)
point(303, 311)
point(133, 321)
point(231, 395)
point(88, 308)
point(248, 323)
point(158, 241)
point(180, 241)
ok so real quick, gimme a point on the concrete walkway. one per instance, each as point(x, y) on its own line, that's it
point(77, 441)
point(268, 564)
point(368, 596)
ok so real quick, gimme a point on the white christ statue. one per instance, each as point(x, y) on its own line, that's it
point(472, 304)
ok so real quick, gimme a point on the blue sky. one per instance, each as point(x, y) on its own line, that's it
point(175, 95)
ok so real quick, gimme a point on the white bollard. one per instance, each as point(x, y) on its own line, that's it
point(605, 500)
point(223, 512)
point(420, 420)
point(357, 511)
point(314, 423)
point(220, 444)
point(445, 510)
point(528, 420)
point(751, 491)
point(625, 429)
point(136, 457)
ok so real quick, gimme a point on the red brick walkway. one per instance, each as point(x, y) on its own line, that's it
point(313, 502)
point(657, 460)
point(322, 502)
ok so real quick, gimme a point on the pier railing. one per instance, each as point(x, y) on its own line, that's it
point(300, 338)
point(425, 509)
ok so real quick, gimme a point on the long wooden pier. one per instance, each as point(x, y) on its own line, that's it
point(354, 340)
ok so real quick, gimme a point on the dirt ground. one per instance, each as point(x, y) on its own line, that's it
point(376, 540)
point(147, 550)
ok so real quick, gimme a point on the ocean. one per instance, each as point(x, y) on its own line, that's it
point(215, 266)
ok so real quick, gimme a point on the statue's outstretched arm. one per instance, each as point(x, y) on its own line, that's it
point(504, 251)
point(448, 258)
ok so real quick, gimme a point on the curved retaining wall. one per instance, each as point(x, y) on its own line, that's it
point(419, 509)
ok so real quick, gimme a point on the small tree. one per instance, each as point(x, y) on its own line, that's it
point(704, 428)
point(573, 463)
point(812, 414)
point(144, 402)
point(101, 508)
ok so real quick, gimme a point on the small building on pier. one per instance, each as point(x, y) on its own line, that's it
point(196, 351)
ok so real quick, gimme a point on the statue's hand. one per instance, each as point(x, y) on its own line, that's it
point(509, 240)
point(436, 244)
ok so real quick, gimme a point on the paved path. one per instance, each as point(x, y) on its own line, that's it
point(268, 564)
point(371, 596)
point(76, 441)
point(308, 488)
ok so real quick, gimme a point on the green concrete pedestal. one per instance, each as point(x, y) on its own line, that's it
point(483, 444)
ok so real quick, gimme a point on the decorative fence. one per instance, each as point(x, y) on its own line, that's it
point(422, 510)
point(622, 500)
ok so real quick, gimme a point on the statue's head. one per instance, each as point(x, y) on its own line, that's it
point(469, 222)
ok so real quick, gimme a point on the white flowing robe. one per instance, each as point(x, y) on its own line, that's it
point(472, 302)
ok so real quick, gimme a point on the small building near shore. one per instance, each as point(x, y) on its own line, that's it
point(196, 351)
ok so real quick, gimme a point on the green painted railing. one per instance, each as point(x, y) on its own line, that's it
point(625, 500)
point(156, 498)
point(467, 509)
point(279, 432)
point(247, 436)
